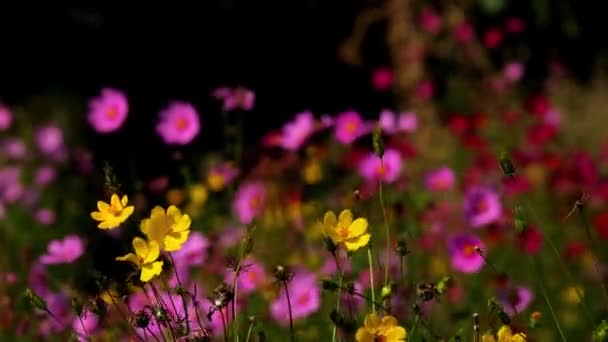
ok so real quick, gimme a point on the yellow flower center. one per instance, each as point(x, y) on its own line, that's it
point(181, 124)
point(253, 276)
point(112, 113)
point(303, 299)
point(351, 127)
point(254, 202)
point(343, 231)
point(482, 206)
point(382, 170)
point(379, 338)
point(468, 250)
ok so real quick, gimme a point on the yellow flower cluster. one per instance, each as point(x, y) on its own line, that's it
point(384, 329)
point(164, 231)
point(505, 335)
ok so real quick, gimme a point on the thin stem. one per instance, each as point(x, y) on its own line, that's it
point(293, 336)
point(84, 329)
point(159, 299)
point(123, 315)
point(250, 330)
point(181, 294)
point(546, 298)
point(153, 334)
point(592, 245)
point(235, 286)
point(371, 277)
point(224, 325)
point(387, 228)
point(341, 274)
point(411, 334)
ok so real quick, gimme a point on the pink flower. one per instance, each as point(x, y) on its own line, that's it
point(11, 188)
point(235, 98)
point(372, 168)
point(482, 207)
point(425, 90)
point(430, 21)
point(514, 71)
point(304, 294)
point(179, 123)
point(85, 326)
point(530, 241)
point(441, 179)
point(44, 175)
point(407, 122)
point(108, 111)
point(6, 118)
point(515, 25)
point(221, 175)
point(49, 140)
point(251, 277)
point(382, 79)
point(64, 251)
point(45, 216)
point(349, 127)
point(296, 132)
point(515, 299)
point(463, 32)
point(193, 251)
point(249, 201)
point(492, 38)
point(464, 257)
point(14, 148)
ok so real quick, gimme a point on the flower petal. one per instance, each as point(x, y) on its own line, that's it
point(153, 252)
point(124, 201)
point(115, 201)
point(174, 241)
point(357, 228)
point(126, 212)
point(356, 243)
point(346, 217)
point(395, 334)
point(372, 322)
point(183, 223)
point(98, 216)
point(148, 271)
point(363, 335)
point(129, 257)
point(141, 247)
point(103, 206)
point(330, 219)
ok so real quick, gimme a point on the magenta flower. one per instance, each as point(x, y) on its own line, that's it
point(45, 216)
point(64, 251)
point(85, 326)
point(430, 21)
point(11, 187)
point(387, 169)
point(49, 140)
point(6, 118)
point(237, 98)
point(304, 294)
point(221, 176)
point(59, 305)
point(249, 201)
point(14, 148)
point(482, 207)
point(463, 32)
point(515, 299)
point(382, 79)
point(179, 123)
point(193, 251)
point(44, 175)
point(464, 257)
point(108, 111)
point(514, 71)
point(441, 179)
point(406, 122)
point(295, 133)
point(251, 277)
point(349, 127)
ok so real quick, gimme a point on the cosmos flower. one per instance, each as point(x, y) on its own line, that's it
point(251, 277)
point(169, 229)
point(387, 169)
point(235, 98)
point(108, 111)
point(193, 252)
point(49, 140)
point(179, 123)
point(441, 179)
point(482, 207)
point(222, 175)
point(384, 329)
point(113, 214)
point(382, 79)
point(85, 326)
point(144, 258)
point(429, 21)
point(44, 175)
point(348, 127)
point(64, 251)
point(249, 201)
point(505, 335)
point(14, 148)
point(6, 118)
point(304, 294)
point(45, 216)
point(344, 231)
point(295, 132)
point(515, 299)
point(405, 122)
point(463, 253)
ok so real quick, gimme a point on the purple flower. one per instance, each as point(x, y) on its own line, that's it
point(235, 98)
point(482, 207)
point(515, 299)
point(249, 201)
point(64, 251)
point(251, 277)
point(193, 251)
point(463, 253)
point(59, 305)
point(44, 175)
point(45, 216)
point(85, 326)
point(441, 179)
point(372, 168)
point(108, 111)
point(296, 132)
point(6, 118)
point(430, 21)
point(406, 122)
point(179, 124)
point(14, 148)
point(304, 295)
point(37, 279)
point(349, 127)
point(514, 71)
point(49, 139)
point(11, 188)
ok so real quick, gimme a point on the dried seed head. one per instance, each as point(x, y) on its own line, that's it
point(283, 274)
point(142, 319)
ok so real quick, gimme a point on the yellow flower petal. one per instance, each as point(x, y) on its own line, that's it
point(102, 206)
point(124, 200)
point(363, 335)
point(357, 228)
point(504, 334)
point(330, 219)
point(356, 243)
point(488, 338)
point(126, 212)
point(157, 211)
point(183, 223)
point(394, 334)
point(174, 241)
point(519, 337)
point(141, 247)
point(129, 257)
point(153, 252)
point(172, 211)
point(115, 202)
point(372, 322)
point(98, 216)
point(345, 218)
point(330, 232)
point(148, 271)
point(389, 322)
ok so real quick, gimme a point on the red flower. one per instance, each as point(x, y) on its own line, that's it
point(574, 249)
point(538, 105)
point(600, 223)
point(515, 25)
point(530, 241)
point(540, 134)
point(492, 38)
point(458, 124)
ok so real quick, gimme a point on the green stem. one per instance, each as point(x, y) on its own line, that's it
point(341, 274)
point(291, 331)
point(593, 249)
point(547, 301)
point(249, 330)
point(387, 229)
point(371, 277)
point(413, 328)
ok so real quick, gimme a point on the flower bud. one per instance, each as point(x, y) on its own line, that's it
point(506, 165)
point(378, 142)
point(519, 220)
point(329, 285)
point(142, 319)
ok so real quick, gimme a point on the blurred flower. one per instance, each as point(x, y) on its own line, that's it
point(515, 299)
point(198, 195)
point(425, 90)
point(343, 230)
point(11, 187)
point(463, 32)
point(169, 229)
point(49, 140)
point(441, 179)
point(144, 258)
point(85, 326)
point(14, 148)
point(600, 223)
point(349, 127)
point(64, 251)
point(179, 123)
point(235, 98)
point(249, 201)
point(515, 25)
point(304, 294)
point(326, 121)
point(330, 267)
point(251, 276)
point(312, 172)
point(492, 38)
point(530, 241)
point(59, 305)
point(463, 249)
point(113, 214)
point(482, 207)
point(222, 175)
point(44, 175)
point(6, 118)
point(45, 216)
point(387, 169)
point(573, 294)
point(406, 122)
point(429, 21)
point(538, 105)
point(295, 133)
point(540, 134)
point(514, 71)
point(108, 111)
point(506, 335)
point(384, 329)
point(193, 251)
point(382, 79)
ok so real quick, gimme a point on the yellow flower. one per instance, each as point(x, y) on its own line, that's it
point(312, 172)
point(169, 229)
point(384, 329)
point(198, 195)
point(144, 258)
point(113, 214)
point(343, 230)
point(506, 335)
point(216, 181)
